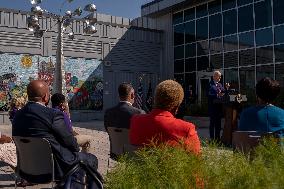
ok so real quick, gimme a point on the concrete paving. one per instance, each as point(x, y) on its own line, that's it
point(99, 146)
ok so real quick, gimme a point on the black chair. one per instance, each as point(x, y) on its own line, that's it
point(35, 161)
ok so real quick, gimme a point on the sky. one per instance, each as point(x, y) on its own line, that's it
point(125, 8)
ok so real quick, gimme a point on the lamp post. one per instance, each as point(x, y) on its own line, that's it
point(62, 23)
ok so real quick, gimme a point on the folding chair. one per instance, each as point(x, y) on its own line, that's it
point(36, 161)
point(245, 141)
point(118, 139)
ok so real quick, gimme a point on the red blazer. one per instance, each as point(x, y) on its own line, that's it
point(163, 127)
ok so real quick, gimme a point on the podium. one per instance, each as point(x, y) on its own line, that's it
point(232, 108)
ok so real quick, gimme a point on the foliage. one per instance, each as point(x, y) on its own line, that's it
point(216, 168)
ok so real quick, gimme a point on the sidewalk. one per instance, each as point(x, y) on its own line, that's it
point(99, 147)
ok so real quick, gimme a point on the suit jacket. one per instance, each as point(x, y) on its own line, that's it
point(36, 120)
point(163, 127)
point(214, 107)
point(119, 115)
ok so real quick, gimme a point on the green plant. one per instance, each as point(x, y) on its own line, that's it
point(215, 168)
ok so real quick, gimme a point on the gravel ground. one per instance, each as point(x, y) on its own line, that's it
point(99, 147)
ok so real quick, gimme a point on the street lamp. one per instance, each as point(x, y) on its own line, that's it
point(62, 22)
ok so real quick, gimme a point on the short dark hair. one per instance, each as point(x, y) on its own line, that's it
point(57, 99)
point(267, 89)
point(124, 90)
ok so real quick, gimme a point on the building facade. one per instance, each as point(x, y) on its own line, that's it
point(94, 65)
point(242, 38)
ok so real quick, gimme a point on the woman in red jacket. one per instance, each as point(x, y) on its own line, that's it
point(161, 125)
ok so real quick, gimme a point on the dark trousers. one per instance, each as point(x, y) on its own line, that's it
point(215, 113)
point(215, 127)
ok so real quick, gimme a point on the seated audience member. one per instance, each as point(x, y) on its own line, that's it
point(8, 151)
point(16, 104)
point(119, 115)
point(35, 119)
point(58, 102)
point(264, 117)
point(160, 125)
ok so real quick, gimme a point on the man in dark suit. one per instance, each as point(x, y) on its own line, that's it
point(117, 120)
point(216, 92)
point(37, 120)
point(119, 115)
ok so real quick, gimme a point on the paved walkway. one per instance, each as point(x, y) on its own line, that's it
point(99, 146)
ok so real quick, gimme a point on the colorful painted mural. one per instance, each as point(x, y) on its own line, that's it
point(84, 79)
point(84, 83)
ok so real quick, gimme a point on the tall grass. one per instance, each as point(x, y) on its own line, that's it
point(217, 167)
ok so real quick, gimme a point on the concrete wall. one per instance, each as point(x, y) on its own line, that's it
point(128, 52)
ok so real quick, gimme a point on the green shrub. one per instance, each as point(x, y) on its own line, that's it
point(217, 167)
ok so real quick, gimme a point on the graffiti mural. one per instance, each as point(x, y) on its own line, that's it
point(84, 83)
point(84, 79)
point(15, 73)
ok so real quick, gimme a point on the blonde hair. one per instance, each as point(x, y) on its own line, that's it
point(168, 95)
point(17, 102)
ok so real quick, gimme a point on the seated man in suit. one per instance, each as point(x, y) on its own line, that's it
point(119, 115)
point(161, 125)
point(35, 119)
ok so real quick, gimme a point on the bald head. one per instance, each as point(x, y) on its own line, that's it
point(38, 91)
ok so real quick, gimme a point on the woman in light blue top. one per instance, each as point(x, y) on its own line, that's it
point(264, 117)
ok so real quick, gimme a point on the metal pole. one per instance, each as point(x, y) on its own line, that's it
point(59, 66)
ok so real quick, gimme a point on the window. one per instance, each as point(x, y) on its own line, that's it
point(264, 71)
point(264, 55)
point(216, 45)
point(279, 53)
point(179, 34)
point(231, 43)
point(247, 83)
point(216, 61)
point(232, 76)
point(263, 37)
point(246, 18)
point(202, 63)
point(189, 32)
point(202, 29)
point(202, 48)
point(178, 18)
point(230, 22)
point(190, 88)
point(214, 6)
point(201, 11)
point(179, 66)
point(263, 14)
point(179, 78)
point(179, 52)
point(190, 50)
point(189, 14)
point(278, 6)
point(215, 25)
point(190, 64)
point(247, 57)
point(228, 4)
point(231, 59)
point(279, 34)
point(279, 76)
point(243, 2)
point(246, 40)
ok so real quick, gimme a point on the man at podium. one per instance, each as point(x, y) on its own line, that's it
point(215, 95)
